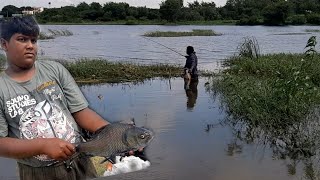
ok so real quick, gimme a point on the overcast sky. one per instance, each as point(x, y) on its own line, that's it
point(59, 3)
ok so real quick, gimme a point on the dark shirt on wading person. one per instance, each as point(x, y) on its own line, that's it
point(191, 64)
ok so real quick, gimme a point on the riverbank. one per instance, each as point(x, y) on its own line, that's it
point(273, 90)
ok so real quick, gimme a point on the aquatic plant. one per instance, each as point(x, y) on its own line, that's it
point(98, 71)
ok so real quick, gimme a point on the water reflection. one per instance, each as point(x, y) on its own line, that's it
point(295, 143)
point(192, 94)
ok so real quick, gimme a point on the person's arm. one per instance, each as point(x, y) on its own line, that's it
point(18, 148)
point(89, 120)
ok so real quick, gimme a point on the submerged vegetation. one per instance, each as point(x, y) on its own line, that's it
point(194, 32)
point(98, 71)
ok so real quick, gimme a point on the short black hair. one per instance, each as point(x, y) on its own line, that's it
point(190, 50)
point(26, 25)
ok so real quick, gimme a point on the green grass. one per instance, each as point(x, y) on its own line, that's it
point(273, 100)
point(194, 32)
point(102, 71)
point(273, 90)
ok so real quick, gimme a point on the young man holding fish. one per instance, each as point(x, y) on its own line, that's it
point(42, 109)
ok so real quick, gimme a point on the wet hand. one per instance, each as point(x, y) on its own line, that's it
point(58, 149)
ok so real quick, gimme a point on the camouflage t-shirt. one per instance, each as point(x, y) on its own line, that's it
point(41, 107)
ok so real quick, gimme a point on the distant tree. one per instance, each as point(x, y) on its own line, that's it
point(83, 7)
point(154, 14)
point(10, 9)
point(194, 5)
point(118, 10)
point(170, 9)
point(276, 13)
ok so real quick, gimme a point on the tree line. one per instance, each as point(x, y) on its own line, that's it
point(245, 12)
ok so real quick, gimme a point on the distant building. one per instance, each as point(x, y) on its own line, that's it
point(34, 11)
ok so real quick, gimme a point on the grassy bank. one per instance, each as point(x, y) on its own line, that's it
point(98, 71)
point(273, 90)
point(194, 32)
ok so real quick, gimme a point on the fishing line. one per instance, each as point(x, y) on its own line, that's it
point(164, 46)
point(123, 57)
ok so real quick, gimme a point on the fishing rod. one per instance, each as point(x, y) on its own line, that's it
point(164, 46)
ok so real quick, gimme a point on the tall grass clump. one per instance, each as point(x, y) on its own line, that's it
point(249, 48)
point(311, 46)
point(194, 32)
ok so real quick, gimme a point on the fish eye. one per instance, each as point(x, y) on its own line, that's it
point(142, 136)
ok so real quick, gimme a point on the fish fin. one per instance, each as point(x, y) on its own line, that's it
point(128, 121)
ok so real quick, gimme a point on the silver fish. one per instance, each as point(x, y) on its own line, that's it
point(116, 139)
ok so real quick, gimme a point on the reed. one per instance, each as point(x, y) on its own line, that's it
point(249, 48)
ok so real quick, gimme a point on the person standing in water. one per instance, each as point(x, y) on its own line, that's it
point(190, 67)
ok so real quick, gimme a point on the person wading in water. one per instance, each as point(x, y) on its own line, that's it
point(190, 68)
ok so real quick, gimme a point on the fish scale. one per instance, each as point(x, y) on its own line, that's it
point(116, 138)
